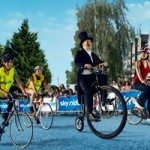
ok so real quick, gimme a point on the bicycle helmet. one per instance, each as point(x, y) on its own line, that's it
point(144, 49)
point(7, 57)
point(38, 68)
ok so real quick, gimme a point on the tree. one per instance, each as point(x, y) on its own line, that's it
point(1, 49)
point(107, 24)
point(27, 53)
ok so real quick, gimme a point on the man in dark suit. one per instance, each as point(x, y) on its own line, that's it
point(85, 59)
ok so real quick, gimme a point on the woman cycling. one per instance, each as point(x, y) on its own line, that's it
point(36, 80)
point(140, 80)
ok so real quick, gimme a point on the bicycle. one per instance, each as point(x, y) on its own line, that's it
point(20, 134)
point(136, 115)
point(44, 112)
point(112, 111)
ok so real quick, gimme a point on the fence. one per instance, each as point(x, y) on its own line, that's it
point(64, 104)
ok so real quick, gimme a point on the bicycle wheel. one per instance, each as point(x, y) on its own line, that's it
point(110, 124)
point(46, 116)
point(21, 135)
point(79, 123)
point(133, 117)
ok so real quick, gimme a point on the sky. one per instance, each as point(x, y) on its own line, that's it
point(56, 23)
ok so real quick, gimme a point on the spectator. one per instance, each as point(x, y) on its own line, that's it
point(61, 88)
point(120, 83)
point(69, 89)
point(115, 85)
point(57, 93)
point(75, 90)
point(126, 86)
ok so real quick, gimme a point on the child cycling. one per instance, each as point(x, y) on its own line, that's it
point(8, 75)
point(36, 80)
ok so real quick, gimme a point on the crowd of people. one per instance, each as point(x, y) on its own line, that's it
point(122, 84)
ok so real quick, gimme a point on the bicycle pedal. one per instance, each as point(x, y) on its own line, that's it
point(145, 114)
point(98, 120)
point(137, 113)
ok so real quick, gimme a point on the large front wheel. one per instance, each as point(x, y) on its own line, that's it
point(21, 130)
point(112, 113)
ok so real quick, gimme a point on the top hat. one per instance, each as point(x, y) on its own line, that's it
point(83, 36)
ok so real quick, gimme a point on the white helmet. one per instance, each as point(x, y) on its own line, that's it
point(38, 68)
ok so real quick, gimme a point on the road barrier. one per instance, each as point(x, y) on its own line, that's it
point(64, 104)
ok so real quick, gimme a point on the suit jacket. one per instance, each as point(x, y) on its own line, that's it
point(82, 58)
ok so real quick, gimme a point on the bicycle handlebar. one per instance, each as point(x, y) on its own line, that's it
point(16, 96)
point(99, 69)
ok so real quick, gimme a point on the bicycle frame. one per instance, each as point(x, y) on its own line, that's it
point(14, 111)
point(97, 86)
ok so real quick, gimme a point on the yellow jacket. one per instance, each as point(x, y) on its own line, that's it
point(37, 82)
point(6, 81)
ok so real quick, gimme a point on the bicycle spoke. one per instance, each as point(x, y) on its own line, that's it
point(46, 116)
point(112, 114)
point(21, 135)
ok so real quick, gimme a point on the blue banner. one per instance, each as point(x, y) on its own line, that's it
point(68, 103)
point(22, 104)
point(129, 94)
point(3, 105)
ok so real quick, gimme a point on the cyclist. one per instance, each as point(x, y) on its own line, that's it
point(84, 60)
point(140, 80)
point(36, 80)
point(8, 74)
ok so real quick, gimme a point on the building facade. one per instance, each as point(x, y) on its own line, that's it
point(140, 41)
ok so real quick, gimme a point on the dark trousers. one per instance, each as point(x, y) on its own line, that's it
point(9, 108)
point(145, 94)
point(88, 91)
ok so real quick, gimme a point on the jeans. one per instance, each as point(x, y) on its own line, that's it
point(145, 94)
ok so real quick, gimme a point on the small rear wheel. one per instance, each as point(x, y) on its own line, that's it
point(79, 123)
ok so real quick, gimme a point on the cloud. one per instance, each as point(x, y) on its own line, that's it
point(13, 23)
point(56, 38)
point(139, 16)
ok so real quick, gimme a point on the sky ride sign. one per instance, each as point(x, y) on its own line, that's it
point(3, 105)
point(128, 94)
point(68, 103)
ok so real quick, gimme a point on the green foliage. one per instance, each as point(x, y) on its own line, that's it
point(107, 24)
point(1, 50)
point(27, 53)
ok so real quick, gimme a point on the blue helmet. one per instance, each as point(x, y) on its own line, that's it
point(7, 57)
